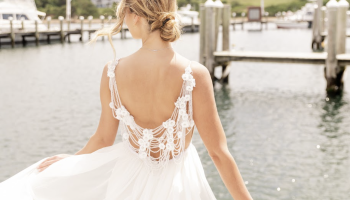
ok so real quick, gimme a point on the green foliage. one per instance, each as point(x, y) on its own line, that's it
point(108, 11)
point(56, 8)
point(84, 8)
point(292, 6)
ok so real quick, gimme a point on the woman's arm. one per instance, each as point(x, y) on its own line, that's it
point(211, 131)
point(108, 125)
point(106, 130)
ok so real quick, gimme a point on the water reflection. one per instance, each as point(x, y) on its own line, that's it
point(335, 148)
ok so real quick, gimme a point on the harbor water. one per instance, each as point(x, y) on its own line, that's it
point(289, 140)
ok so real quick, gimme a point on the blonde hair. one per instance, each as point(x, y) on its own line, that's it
point(154, 11)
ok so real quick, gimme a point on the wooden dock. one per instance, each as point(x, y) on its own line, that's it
point(64, 34)
point(279, 57)
point(334, 60)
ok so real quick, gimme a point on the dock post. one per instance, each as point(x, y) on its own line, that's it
point(81, 27)
point(109, 20)
point(234, 20)
point(102, 18)
point(225, 40)
point(202, 34)
point(266, 19)
point(22, 22)
point(90, 19)
point(192, 24)
point(36, 33)
point(61, 28)
point(317, 27)
point(225, 27)
point(89, 32)
point(210, 39)
point(68, 29)
point(323, 19)
point(343, 6)
point(48, 19)
point(48, 22)
point(218, 18)
point(331, 62)
point(243, 15)
point(12, 34)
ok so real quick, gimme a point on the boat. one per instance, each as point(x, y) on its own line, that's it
point(188, 16)
point(23, 13)
point(300, 19)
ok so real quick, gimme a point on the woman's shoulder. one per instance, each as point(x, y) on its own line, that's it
point(199, 71)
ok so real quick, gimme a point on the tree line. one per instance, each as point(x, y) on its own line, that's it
point(55, 8)
point(85, 8)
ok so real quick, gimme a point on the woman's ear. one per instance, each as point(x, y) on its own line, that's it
point(136, 18)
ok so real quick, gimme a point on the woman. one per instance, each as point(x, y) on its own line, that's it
point(156, 159)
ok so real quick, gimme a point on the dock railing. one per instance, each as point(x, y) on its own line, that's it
point(334, 60)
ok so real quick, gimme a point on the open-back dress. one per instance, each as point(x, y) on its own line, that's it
point(148, 164)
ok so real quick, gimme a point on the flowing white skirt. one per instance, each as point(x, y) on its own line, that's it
point(110, 173)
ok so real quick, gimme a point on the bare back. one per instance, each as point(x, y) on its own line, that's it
point(148, 86)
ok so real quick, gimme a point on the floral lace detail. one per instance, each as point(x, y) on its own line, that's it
point(166, 139)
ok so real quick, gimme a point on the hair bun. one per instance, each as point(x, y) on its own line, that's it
point(168, 26)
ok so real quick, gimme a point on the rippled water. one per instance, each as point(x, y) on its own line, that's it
point(288, 139)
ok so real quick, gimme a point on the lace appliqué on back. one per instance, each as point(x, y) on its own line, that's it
point(169, 137)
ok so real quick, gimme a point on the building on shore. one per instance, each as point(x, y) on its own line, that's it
point(104, 3)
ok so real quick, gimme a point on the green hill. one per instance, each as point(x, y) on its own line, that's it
point(271, 6)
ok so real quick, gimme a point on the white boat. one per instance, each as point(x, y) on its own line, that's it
point(300, 19)
point(20, 11)
point(187, 15)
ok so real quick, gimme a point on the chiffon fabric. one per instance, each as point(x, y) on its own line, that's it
point(111, 173)
point(119, 172)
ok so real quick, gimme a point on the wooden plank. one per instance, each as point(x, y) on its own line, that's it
point(324, 34)
point(5, 35)
point(343, 59)
point(278, 57)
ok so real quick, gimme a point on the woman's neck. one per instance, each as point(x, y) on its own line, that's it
point(153, 41)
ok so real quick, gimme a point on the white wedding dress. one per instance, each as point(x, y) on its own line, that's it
point(142, 171)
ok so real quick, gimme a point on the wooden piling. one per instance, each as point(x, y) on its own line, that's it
point(202, 34)
point(343, 6)
point(218, 16)
point(68, 28)
point(90, 19)
point(243, 15)
point(323, 19)
point(234, 20)
point(61, 28)
point(331, 62)
point(102, 24)
point(225, 27)
point(12, 33)
point(109, 19)
point(36, 33)
point(192, 24)
point(210, 39)
point(317, 27)
point(225, 40)
point(81, 27)
point(22, 23)
point(48, 22)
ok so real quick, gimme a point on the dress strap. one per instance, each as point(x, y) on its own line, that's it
point(189, 81)
point(115, 99)
point(186, 94)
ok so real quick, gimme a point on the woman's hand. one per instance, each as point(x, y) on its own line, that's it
point(49, 161)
